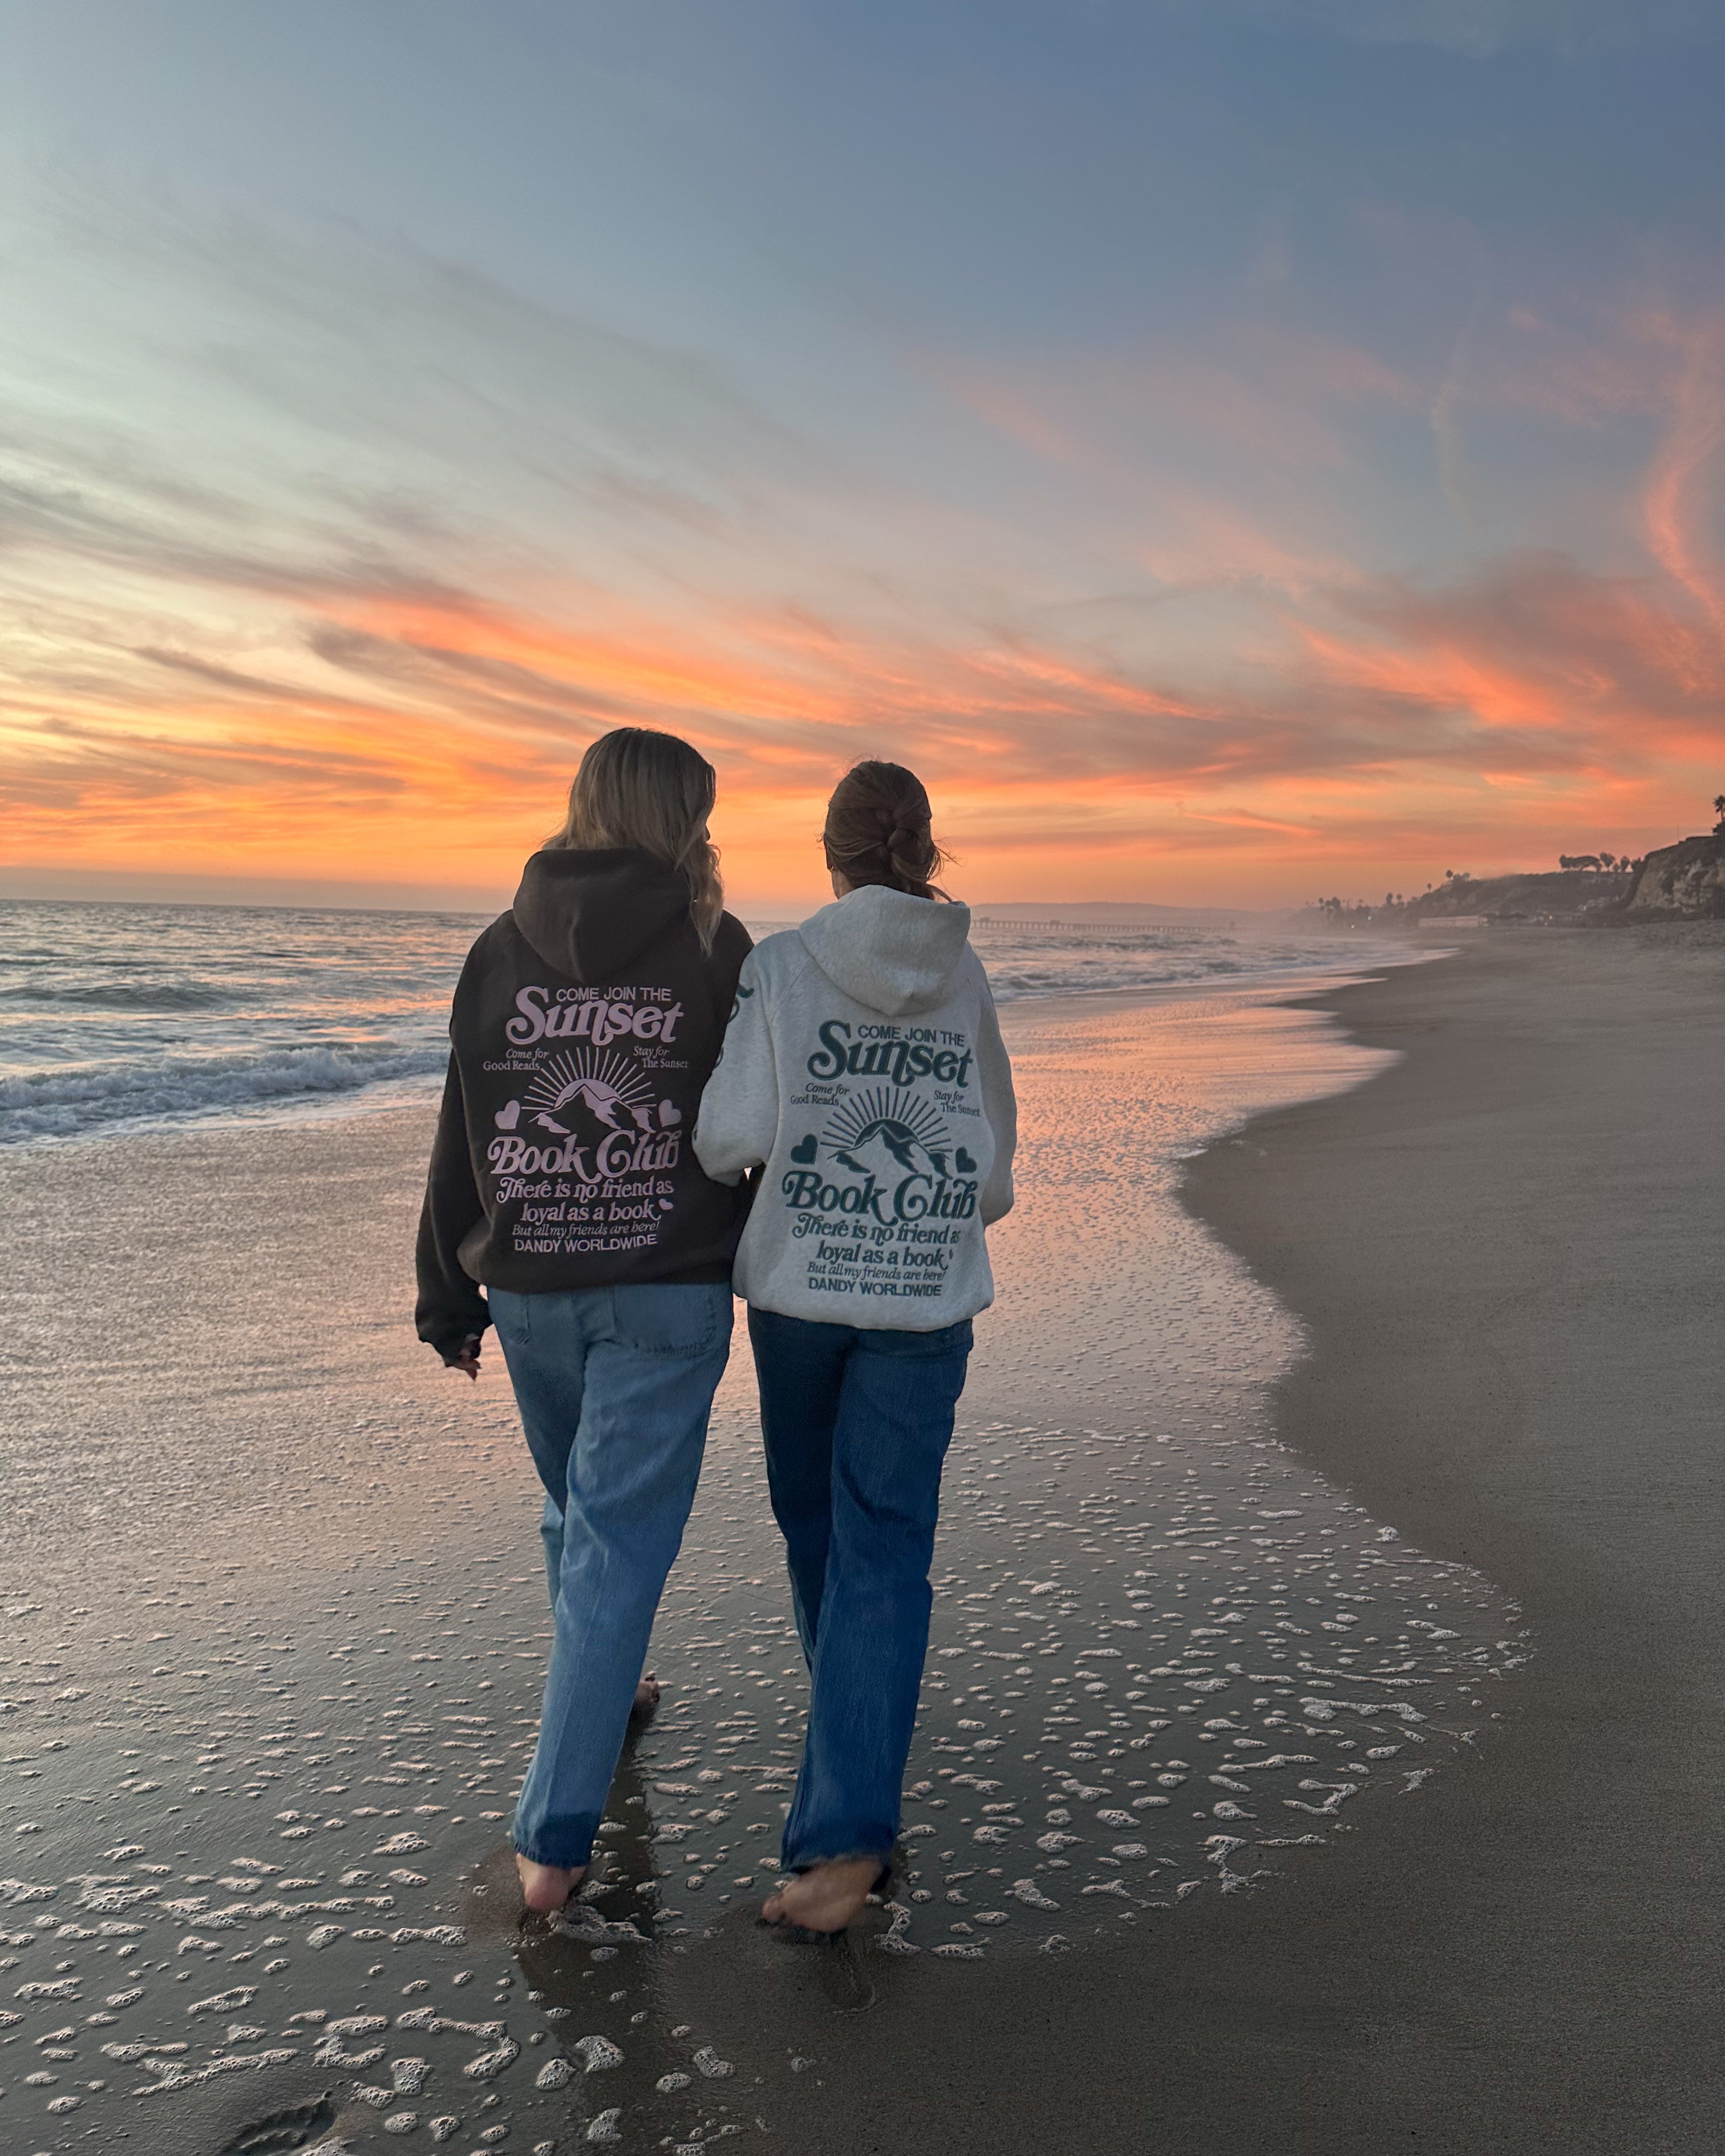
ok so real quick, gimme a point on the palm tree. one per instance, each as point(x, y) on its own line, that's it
point(1719, 811)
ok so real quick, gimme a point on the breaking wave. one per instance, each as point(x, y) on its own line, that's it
point(61, 1103)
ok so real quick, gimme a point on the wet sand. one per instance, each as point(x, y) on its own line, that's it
point(234, 1483)
point(274, 1632)
point(1505, 1252)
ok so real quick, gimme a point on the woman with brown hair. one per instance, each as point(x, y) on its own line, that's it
point(562, 1184)
point(863, 1070)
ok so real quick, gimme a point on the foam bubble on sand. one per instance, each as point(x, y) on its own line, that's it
point(1137, 1623)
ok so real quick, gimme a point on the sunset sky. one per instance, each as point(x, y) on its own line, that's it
point(1234, 449)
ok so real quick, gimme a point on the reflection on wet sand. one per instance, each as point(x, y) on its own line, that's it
point(259, 1894)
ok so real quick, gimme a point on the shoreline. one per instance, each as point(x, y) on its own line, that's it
point(1499, 1248)
point(1503, 1250)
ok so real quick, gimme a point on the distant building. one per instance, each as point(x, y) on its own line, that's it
point(1448, 920)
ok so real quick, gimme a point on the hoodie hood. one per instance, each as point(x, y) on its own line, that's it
point(887, 951)
point(589, 916)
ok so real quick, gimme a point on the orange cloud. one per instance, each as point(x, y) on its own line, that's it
point(1677, 502)
point(1146, 663)
point(1492, 712)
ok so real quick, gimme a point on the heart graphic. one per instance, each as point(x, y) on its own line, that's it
point(507, 1118)
point(670, 1115)
point(966, 1166)
point(666, 1203)
point(803, 1151)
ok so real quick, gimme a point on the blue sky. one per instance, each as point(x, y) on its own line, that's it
point(1233, 450)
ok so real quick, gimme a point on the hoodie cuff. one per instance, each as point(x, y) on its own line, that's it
point(450, 1343)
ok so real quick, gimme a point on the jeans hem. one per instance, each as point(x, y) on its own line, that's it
point(883, 1857)
point(557, 1863)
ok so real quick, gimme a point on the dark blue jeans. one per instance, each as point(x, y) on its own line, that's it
point(857, 1426)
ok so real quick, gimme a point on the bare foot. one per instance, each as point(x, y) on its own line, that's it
point(827, 1896)
point(646, 1695)
point(544, 1887)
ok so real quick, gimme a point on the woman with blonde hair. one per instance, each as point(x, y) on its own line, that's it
point(863, 1069)
point(565, 1206)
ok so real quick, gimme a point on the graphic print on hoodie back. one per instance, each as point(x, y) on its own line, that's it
point(864, 1068)
point(583, 1028)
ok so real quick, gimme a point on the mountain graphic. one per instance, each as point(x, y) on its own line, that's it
point(886, 1139)
point(589, 1109)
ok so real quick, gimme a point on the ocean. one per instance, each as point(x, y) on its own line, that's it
point(117, 1017)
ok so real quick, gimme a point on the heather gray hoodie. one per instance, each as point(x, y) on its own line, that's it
point(864, 1068)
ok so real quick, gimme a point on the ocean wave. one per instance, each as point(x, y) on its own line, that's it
point(62, 1101)
point(125, 996)
point(126, 1017)
point(1090, 970)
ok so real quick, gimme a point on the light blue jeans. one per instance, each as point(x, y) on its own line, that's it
point(614, 1385)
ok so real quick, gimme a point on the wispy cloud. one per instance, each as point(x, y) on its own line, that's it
point(321, 549)
point(1682, 491)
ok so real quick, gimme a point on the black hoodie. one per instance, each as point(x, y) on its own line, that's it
point(585, 1025)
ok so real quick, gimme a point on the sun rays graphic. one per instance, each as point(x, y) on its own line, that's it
point(887, 1120)
point(609, 1086)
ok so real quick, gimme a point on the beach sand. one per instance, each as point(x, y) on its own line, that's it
point(1505, 1252)
point(248, 1516)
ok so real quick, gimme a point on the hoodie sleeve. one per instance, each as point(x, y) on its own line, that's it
point(1000, 1106)
point(739, 1110)
point(450, 1308)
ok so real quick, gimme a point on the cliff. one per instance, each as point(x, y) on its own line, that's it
point(1562, 895)
point(1686, 881)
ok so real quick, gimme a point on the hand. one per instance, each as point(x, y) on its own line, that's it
point(469, 1358)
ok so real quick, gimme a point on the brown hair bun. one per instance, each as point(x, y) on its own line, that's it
point(878, 830)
